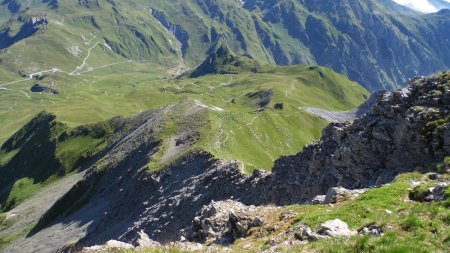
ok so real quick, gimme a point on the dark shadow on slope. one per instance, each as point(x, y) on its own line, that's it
point(93, 185)
point(35, 146)
point(260, 99)
point(12, 5)
point(51, 3)
point(27, 30)
point(35, 158)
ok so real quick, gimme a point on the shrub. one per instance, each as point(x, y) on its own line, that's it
point(412, 223)
point(420, 193)
point(442, 167)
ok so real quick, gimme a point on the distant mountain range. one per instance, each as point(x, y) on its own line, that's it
point(376, 43)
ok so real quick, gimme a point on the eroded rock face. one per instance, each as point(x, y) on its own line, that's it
point(145, 242)
point(225, 221)
point(404, 131)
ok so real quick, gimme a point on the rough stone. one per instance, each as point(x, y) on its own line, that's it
point(439, 191)
point(224, 221)
point(319, 199)
point(118, 244)
point(145, 242)
point(339, 194)
point(302, 232)
point(336, 228)
point(373, 230)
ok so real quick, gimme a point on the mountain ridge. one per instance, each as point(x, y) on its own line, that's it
point(338, 159)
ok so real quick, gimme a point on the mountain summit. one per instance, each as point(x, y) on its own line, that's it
point(222, 61)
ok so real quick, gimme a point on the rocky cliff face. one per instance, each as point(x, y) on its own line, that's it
point(369, 41)
point(406, 130)
point(376, 43)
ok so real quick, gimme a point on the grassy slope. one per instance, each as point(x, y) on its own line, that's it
point(239, 132)
point(247, 134)
point(77, 30)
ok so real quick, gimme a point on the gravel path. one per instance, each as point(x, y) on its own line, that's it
point(344, 116)
point(332, 117)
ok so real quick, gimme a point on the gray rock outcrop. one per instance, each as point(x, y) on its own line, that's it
point(339, 194)
point(225, 221)
point(424, 193)
point(373, 230)
point(336, 228)
point(404, 131)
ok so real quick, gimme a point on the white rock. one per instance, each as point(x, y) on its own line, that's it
point(336, 228)
point(119, 245)
point(339, 194)
point(413, 183)
point(319, 199)
point(144, 241)
point(95, 248)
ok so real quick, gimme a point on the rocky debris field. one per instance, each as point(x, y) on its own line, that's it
point(225, 221)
